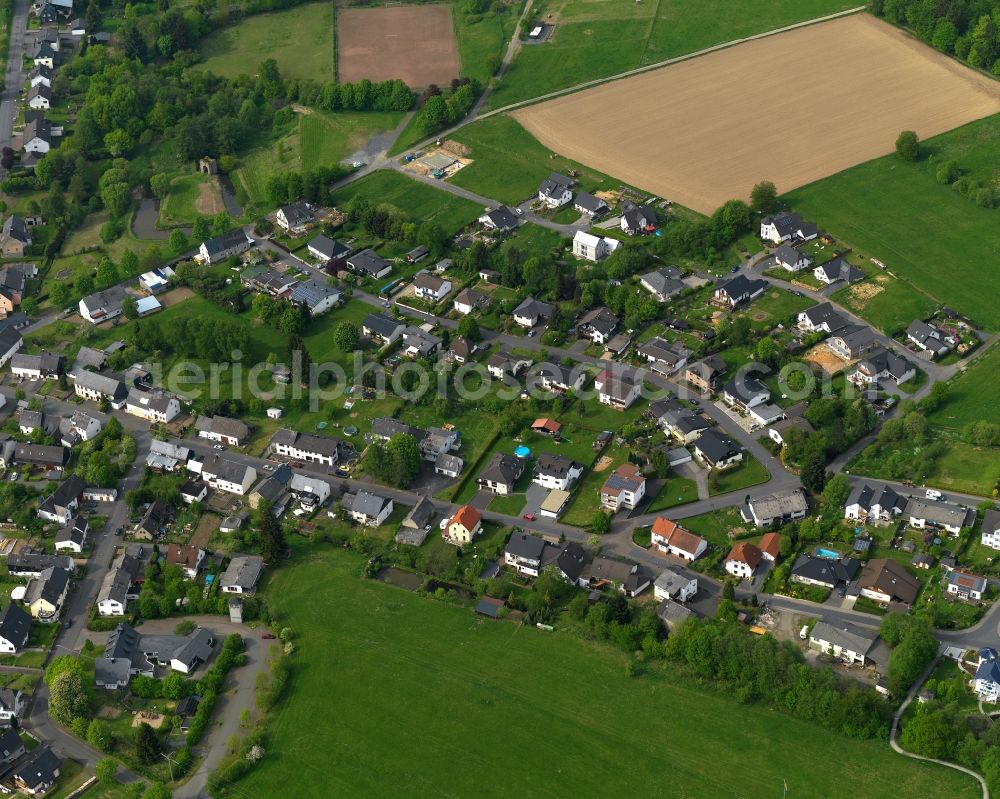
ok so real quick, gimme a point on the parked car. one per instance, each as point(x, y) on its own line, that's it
point(267, 636)
point(529, 516)
point(735, 268)
point(218, 446)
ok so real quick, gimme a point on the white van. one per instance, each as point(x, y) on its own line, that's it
point(804, 632)
point(932, 494)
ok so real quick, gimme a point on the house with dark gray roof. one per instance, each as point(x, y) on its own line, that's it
point(382, 328)
point(589, 204)
point(663, 283)
point(738, 291)
point(324, 450)
point(326, 249)
point(531, 311)
point(367, 508)
point(874, 504)
point(556, 190)
point(15, 625)
point(824, 572)
point(500, 219)
point(838, 269)
point(717, 451)
point(218, 248)
point(501, 473)
point(368, 263)
point(295, 217)
point(39, 772)
point(852, 341)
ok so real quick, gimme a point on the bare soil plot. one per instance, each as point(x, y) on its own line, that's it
point(413, 43)
point(825, 358)
point(209, 201)
point(791, 108)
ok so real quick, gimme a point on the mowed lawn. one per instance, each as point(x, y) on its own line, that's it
point(973, 395)
point(926, 233)
point(299, 39)
point(391, 689)
point(417, 200)
point(603, 37)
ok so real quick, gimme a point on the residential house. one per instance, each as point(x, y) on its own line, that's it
point(52, 458)
point(103, 305)
point(500, 474)
point(776, 509)
point(589, 204)
point(448, 465)
point(987, 679)
point(218, 248)
point(786, 226)
point(717, 451)
point(36, 775)
point(593, 248)
point(930, 339)
point(153, 407)
point(32, 563)
point(222, 429)
point(325, 249)
point(241, 575)
point(46, 55)
point(991, 529)
point(227, 475)
point(743, 393)
point(965, 584)
point(672, 539)
point(37, 136)
point(556, 471)
point(779, 431)
point(525, 553)
point(638, 219)
point(673, 614)
point(369, 264)
point(15, 625)
point(167, 457)
point(39, 97)
point(663, 283)
point(706, 374)
point(738, 291)
point(118, 587)
point(381, 328)
point(296, 217)
point(742, 560)
point(186, 558)
point(624, 488)
point(36, 367)
point(418, 343)
point(464, 526)
point(46, 594)
point(308, 447)
point(193, 491)
point(849, 643)
point(10, 343)
point(881, 364)
point(673, 585)
point(665, 357)
point(431, 287)
point(461, 349)
point(876, 504)
point(468, 300)
point(556, 190)
point(14, 236)
point(12, 703)
point(501, 220)
point(629, 578)
point(555, 377)
point(821, 317)
point(367, 508)
point(265, 280)
point(418, 253)
point(619, 391)
point(791, 258)
point(770, 546)
point(824, 572)
point(837, 269)
point(417, 524)
point(61, 505)
point(501, 366)
point(531, 311)
point(97, 388)
point(72, 537)
point(887, 581)
point(852, 341)
point(153, 523)
point(926, 514)
point(40, 75)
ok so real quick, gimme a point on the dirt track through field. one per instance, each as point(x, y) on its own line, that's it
point(413, 43)
point(791, 108)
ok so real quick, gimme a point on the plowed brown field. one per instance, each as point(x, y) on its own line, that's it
point(791, 108)
point(413, 43)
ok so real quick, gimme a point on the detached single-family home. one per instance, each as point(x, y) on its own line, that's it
point(785, 226)
point(965, 584)
point(218, 248)
point(926, 514)
point(14, 237)
point(850, 644)
point(45, 594)
point(40, 75)
point(316, 295)
point(742, 560)
point(887, 581)
point(665, 357)
point(824, 572)
point(820, 317)
point(418, 343)
point(72, 537)
point(525, 553)
point(368, 263)
point(852, 341)
point(987, 680)
point(780, 430)
point(228, 475)
point(619, 391)
point(428, 286)
point(37, 136)
point(717, 451)
point(531, 311)
point(308, 447)
point(629, 578)
point(465, 525)
point(598, 325)
point(324, 249)
point(501, 220)
point(776, 509)
point(103, 305)
point(556, 471)
point(673, 585)
point(153, 407)
point(367, 508)
point(738, 291)
point(381, 328)
point(556, 377)
point(556, 190)
point(468, 300)
point(791, 258)
point(991, 529)
point(39, 772)
point(837, 269)
point(637, 219)
point(241, 575)
point(186, 558)
point(593, 248)
point(15, 625)
point(501, 473)
point(12, 702)
point(663, 283)
point(40, 97)
point(296, 217)
point(501, 366)
point(672, 539)
point(928, 338)
point(61, 505)
point(624, 488)
point(589, 204)
point(706, 374)
point(881, 364)
point(222, 429)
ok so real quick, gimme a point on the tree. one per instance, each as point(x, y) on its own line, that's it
point(601, 523)
point(813, 473)
point(433, 237)
point(68, 698)
point(107, 273)
point(405, 459)
point(764, 197)
point(177, 241)
point(272, 537)
point(118, 143)
point(157, 790)
point(107, 770)
point(836, 491)
point(99, 736)
point(911, 656)
point(147, 745)
point(346, 336)
point(908, 146)
point(469, 328)
point(202, 228)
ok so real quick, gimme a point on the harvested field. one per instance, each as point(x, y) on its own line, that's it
point(209, 201)
point(413, 43)
point(825, 98)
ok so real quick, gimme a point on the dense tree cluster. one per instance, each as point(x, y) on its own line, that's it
point(396, 461)
point(192, 337)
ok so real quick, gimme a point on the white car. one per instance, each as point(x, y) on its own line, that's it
point(932, 494)
point(218, 446)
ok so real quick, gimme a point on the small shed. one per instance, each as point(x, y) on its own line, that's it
point(489, 607)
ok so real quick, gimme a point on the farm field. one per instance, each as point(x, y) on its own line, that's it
point(926, 233)
point(409, 669)
point(414, 43)
point(973, 395)
point(602, 37)
point(416, 200)
point(886, 82)
point(299, 39)
point(317, 138)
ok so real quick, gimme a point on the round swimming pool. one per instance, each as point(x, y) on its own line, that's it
point(522, 452)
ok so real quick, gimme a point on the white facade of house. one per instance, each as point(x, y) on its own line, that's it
point(673, 588)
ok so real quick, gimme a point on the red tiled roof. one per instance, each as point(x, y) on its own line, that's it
point(676, 536)
point(550, 425)
point(745, 553)
point(467, 516)
point(770, 543)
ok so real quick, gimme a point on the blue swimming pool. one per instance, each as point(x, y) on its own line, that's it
point(522, 451)
point(829, 554)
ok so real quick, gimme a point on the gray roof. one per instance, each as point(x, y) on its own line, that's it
point(526, 546)
point(386, 427)
point(222, 425)
point(298, 213)
point(555, 183)
point(381, 324)
point(328, 248)
point(855, 337)
point(847, 636)
point(368, 262)
point(217, 244)
point(69, 489)
point(664, 281)
point(715, 446)
point(671, 581)
point(225, 468)
point(531, 307)
point(111, 299)
point(943, 513)
point(840, 269)
point(741, 287)
point(787, 254)
point(554, 465)
point(502, 468)
point(196, 649)
point(313, 292)
point(502, 218)
point(9, 339)
point(824, 570)
point(115, 586)
point(366, 503)
point(243, 571)
point(109, 386)
point(882, 360)
point(13, 226)
point(15, 625)
point(420, 514)
point(40, 769)
point(991, 521)
point(589, 202)
point(49, 587)
point(882, 495)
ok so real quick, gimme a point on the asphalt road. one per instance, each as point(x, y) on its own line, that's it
point(21, 41)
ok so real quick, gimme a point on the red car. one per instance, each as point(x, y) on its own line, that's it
point(267, 636)
point(529, 516)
